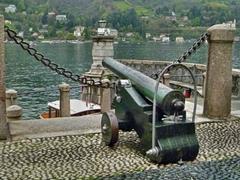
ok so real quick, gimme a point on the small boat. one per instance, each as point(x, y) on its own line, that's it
point(77, 108)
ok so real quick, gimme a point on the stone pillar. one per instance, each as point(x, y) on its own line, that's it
point(106, 98)
point(102, 48)
point(64, 100)
point(4, 131)
point(11, 97)
point(14, 112)
point(218, 90)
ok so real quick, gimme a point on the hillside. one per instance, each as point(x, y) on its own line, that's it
point(125, 15)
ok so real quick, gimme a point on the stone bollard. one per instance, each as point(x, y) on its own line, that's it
point(11, 97)
point(106, 99)
point(14, 112)
point(64, 100)
point(218, 90)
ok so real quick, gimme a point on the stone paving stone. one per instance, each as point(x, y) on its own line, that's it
point(85, 157)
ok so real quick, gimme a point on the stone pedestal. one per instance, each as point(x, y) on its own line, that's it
point(11, 97)
point(218, 90)
point(64, 100)
point(102, 48)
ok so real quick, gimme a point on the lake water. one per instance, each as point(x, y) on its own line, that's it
point(37, 85)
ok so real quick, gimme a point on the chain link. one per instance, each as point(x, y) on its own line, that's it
point(196, 45)
point(53, 66)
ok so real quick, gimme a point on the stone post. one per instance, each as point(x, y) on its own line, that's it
point(218, 90)
point(4, 131)
point(102, 48)
point(64, 100)
point(14, 112)
point(11, 97)
point(106, 97)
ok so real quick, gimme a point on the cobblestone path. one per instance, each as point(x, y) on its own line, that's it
point(84, 157)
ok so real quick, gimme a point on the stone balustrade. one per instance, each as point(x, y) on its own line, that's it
point(148, 67)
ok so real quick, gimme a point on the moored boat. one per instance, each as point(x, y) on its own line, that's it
point(77, 108)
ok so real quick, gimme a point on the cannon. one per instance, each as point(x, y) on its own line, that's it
point(174, 137)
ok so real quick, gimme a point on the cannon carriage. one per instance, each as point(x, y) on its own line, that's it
point(168, 140)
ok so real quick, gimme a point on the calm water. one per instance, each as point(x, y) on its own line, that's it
point(37, 85)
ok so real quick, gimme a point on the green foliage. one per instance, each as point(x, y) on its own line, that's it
point(124, 15)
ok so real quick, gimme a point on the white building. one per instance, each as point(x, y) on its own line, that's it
point(114, 33)
point(165, 39)
point(155, 39)
point(148, 35)
point(11, 9)
point(179, 39)
point(61, 18)
point(21, 34)
point(7, 22)
point(103, 31)
point(78, 31)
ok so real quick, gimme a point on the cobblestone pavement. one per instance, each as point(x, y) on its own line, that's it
point(84, 157)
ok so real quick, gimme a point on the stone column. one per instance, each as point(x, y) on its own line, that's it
point(11, 97)
point(64, 100)
point(4, 132)
point(102, 48)
point(218, 90)
point(106, 98)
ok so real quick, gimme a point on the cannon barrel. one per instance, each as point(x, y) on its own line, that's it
point(168, 100)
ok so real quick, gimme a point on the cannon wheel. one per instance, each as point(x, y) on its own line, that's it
point(109, 127)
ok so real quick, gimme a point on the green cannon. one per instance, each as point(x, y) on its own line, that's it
point(171, 138)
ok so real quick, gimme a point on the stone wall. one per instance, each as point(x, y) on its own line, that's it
point(149, 67)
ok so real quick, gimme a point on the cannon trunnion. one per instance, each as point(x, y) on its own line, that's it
point(175, 137)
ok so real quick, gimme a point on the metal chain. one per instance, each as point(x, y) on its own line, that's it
point(53, 66)
point(196, 45)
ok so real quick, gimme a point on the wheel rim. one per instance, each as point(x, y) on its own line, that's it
point(109, 127)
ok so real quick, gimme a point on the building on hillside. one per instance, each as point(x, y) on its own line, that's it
point(78, 32)
point(155, 39)
point(129, 34)
point(114, 33)
point(43, 31)
point(21, 34)
point(185, 18)
point(51, 14)
point(8, 22)
point(41, 37)
point(166, 39)
point(148, 35)
point(34, 35)
point(232, 23)
point(61, 18)
point(179, 39)
point(10, 9)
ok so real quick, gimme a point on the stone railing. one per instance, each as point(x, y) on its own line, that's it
point(148, 67)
